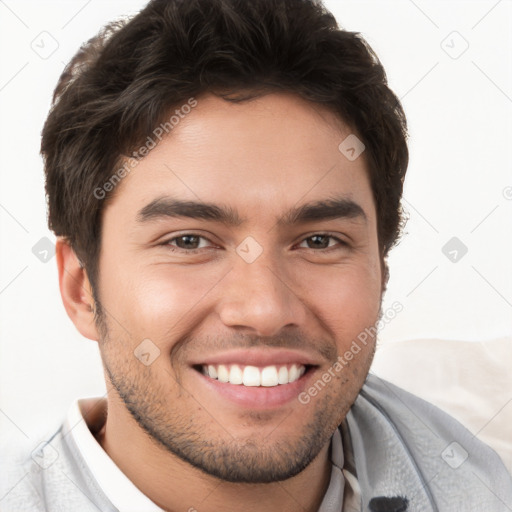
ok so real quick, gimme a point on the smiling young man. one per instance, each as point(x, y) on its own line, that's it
point(224, 178)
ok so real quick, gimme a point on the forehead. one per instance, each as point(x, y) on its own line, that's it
point(261, 156)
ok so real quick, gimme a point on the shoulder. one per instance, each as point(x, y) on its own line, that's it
point(48, 474)
point(428, 448)
point(20, 478)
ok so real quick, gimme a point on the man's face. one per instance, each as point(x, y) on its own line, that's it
point(272, 298)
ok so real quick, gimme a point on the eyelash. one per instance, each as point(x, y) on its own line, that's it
point(167, 243)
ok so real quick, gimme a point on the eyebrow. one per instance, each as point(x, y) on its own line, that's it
point(328, 209)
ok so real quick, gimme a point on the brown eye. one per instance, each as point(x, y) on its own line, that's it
point(318, 242)
point(322, 241)
point(188, 242)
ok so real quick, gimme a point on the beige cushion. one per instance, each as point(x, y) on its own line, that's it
point(472, 381)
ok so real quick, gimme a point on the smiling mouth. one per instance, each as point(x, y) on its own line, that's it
point(254, 376)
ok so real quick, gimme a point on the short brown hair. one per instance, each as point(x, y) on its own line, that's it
point(124, 82)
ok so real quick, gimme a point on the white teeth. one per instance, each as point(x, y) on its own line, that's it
point(269, 376)
point(222, 373)
point(252, 376)
point(282, 375)
point(211, 371)
point(293, 374)
point(235, 375)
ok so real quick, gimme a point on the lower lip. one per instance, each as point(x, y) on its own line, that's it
point(258, 397)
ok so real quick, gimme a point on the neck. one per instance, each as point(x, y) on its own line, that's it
point(176, 485)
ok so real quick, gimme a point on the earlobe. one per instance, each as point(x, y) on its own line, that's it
point(75, 290)
point(385, 274)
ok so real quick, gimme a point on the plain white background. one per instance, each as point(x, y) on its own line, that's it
point(449, 62)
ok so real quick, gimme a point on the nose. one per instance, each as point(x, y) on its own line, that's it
point(260, 298)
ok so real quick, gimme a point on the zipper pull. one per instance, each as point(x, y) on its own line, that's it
point(385, 504)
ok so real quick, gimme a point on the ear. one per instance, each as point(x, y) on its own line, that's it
point(75, 290)
point(385, 273)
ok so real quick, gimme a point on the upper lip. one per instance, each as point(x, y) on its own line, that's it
point(260, 357)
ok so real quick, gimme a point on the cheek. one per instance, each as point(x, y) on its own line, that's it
point(159, 300)
point(346, 298)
